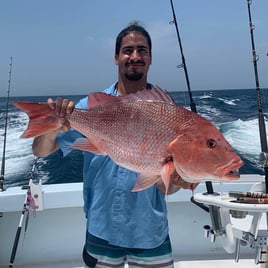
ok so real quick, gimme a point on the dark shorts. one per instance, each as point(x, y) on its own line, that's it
point(100, 254)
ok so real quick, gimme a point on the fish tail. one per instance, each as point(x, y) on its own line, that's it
point(41, 118)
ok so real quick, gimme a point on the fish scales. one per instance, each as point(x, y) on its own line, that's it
point(136, 133)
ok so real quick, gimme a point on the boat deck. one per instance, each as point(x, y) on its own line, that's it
point(217, 263)
point(245, 263)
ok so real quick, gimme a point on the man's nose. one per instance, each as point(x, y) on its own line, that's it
point(135, 54)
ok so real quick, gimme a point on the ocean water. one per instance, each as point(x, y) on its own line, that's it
point(234, 112)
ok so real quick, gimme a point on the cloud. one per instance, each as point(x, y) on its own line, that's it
point(161, 32)
point(90, 38)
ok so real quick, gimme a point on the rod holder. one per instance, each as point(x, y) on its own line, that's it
point(36, 192)
point(216, 220)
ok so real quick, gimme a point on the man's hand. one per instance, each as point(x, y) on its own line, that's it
point(176, 183)
point(46, 144)
point(61, 107)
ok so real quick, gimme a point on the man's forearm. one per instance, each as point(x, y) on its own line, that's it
point(45, 145)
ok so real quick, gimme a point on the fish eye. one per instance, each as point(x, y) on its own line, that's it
point(211, 143)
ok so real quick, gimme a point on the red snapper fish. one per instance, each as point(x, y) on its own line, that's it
point(145, 132)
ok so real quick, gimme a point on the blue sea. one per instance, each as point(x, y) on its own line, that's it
point(234, 112)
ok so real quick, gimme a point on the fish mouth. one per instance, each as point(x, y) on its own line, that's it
point(230, 171)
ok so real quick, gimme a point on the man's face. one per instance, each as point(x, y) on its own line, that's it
point(134, 57)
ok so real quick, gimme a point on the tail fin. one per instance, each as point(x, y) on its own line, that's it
point(41, 118)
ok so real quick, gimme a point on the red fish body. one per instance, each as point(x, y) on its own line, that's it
point(144, 132)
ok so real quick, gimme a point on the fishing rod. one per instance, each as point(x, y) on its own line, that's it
point(2, 177)
point(262, 128)
point(183, 65)
point(28, 205)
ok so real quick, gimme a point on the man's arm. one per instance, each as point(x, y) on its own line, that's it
point(46, 144)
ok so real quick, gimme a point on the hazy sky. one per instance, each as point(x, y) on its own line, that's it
point(67, 46)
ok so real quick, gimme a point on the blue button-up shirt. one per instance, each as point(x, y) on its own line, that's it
point(114, 213)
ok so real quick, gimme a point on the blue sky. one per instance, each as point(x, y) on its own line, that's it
point(62, 47)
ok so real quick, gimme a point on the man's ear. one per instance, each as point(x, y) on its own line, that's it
point(116, 59)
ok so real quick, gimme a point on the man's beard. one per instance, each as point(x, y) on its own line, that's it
point(134, 76)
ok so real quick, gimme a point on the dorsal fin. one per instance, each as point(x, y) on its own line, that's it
point(100, 98)
point(155, 93)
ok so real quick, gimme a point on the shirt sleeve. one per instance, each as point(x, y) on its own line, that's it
point(65, 139)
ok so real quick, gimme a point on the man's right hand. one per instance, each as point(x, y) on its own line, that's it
point(61, 107)
point(46, 144)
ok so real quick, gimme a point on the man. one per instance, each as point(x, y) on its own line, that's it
point(122, 226)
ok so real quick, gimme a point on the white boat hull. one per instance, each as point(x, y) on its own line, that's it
point(55, 235)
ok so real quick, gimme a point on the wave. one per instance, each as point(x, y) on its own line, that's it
point(206, 96)
point(209, 97)
point(245, 138)
point(229, 101)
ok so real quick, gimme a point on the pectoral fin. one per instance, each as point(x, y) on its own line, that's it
point(166, 172)
point(85, 144)
point(145, 181)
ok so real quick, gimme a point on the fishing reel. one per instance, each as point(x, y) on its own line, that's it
point(1, 183)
